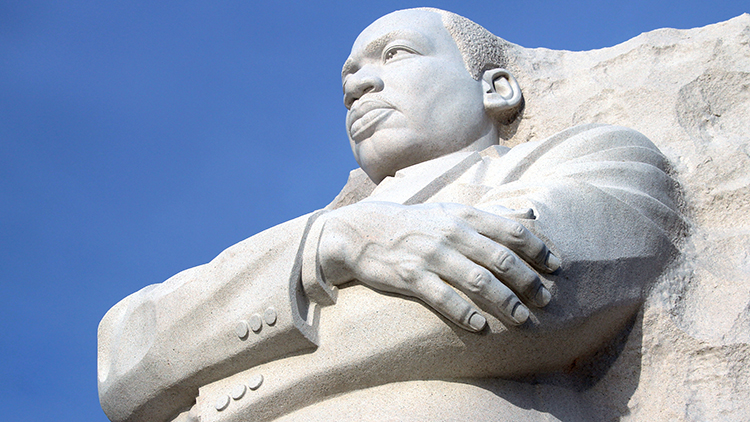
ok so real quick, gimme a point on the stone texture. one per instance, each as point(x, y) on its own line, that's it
point(689, 92)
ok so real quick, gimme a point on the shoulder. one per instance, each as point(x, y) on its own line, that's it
point(585, 145)
point(604, 141)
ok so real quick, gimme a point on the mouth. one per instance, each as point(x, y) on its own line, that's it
point(364, 119)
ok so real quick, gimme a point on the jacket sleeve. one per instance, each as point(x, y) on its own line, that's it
point(245, 307)
point(604, 201)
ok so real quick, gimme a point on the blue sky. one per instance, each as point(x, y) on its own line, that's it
point(138, 139)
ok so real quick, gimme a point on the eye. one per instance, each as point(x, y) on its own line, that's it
point(395, 52)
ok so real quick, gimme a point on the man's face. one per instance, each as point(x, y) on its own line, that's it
point(409, 96)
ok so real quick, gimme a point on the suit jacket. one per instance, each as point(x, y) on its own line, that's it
point(599, 196)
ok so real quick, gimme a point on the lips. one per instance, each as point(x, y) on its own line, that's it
point(364, 118)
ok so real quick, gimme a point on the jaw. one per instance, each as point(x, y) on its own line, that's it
point(378, 166)
point(388, 151)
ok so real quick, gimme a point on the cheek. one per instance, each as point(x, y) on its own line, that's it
point(417, 83)
point(450, 89)
point(459, 105)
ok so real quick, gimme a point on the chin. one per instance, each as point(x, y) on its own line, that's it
point(376, 174)
point(390, 150)
point(374, 167)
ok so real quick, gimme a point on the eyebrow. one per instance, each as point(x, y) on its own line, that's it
point(377, 45)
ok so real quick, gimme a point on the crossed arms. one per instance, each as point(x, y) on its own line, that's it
point(160, 345)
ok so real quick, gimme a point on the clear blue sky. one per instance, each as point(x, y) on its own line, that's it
point(140, 138)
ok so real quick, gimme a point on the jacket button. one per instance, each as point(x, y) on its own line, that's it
point(255, 381)
point(270, 316)
point(238, 391)
point(222, 403)
point(241, 329)
point(256, 323)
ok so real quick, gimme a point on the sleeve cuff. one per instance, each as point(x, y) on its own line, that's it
point(313, 283)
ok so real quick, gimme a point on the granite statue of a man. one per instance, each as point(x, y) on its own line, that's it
point(446, 260)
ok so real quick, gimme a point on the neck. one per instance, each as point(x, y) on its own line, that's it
point(488, 138)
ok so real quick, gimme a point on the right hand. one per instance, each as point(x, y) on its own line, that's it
point(426, 251)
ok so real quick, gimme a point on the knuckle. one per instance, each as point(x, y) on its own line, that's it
point(457, 210)
point(453, 226)
point(465, 211)
point(432, 251)
point(479, 280)
point(444, 208)
point(433, 206)
point(517, 230)
point(410, 271)
point(504, 261)
point(452, 232)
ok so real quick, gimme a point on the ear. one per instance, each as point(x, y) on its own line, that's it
point(502, 95)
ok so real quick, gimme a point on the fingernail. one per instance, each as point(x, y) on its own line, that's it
point(477, 322)
point(520, 313)
point(542, 297)
point(553, 262)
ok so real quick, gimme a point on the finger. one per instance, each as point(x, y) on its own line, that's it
point(484, 288)
point(513, 235)
point(442, 298)
point(504, 264)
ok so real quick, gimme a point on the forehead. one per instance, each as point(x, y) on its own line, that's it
point(423, 26)
point(424, 22)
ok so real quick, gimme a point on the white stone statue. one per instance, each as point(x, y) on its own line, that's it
point(448, 265)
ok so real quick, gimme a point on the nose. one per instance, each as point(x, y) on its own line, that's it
point(360, 83)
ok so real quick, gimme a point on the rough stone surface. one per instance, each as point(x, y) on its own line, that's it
point(689, 92)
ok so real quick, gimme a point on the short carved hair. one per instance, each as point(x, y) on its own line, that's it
point(480, 49)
